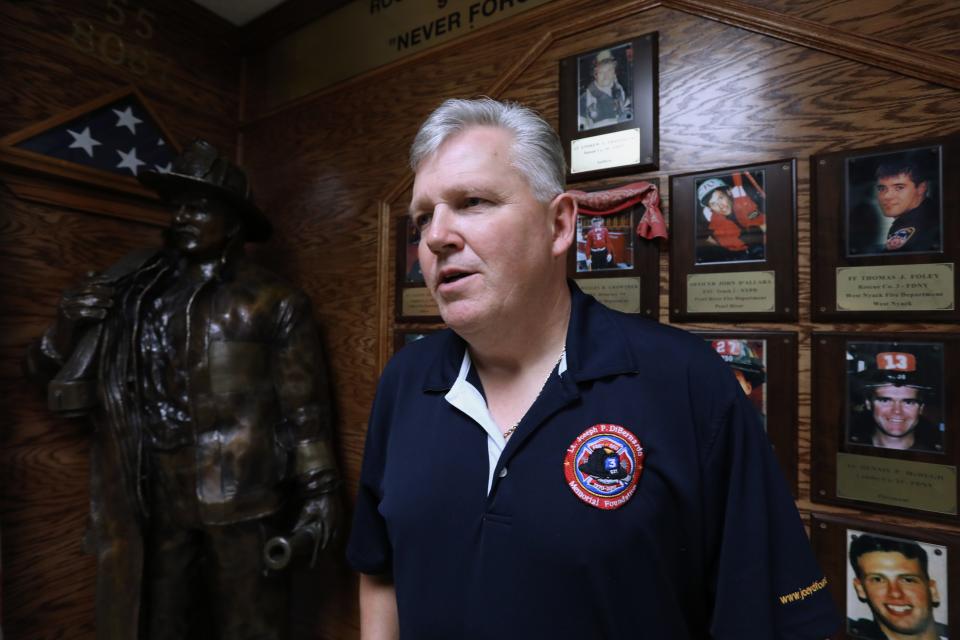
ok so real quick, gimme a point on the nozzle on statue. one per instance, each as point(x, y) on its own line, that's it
point(279, 551)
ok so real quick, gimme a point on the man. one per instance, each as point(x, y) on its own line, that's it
point(894, 401)
point(203, 375)
point(902, 194)
point(604, 102)
point(548, 467)
point(599, 245)
point(892, 578)
point(730, 236)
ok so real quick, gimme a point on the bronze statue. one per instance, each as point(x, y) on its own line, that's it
point(204, 378)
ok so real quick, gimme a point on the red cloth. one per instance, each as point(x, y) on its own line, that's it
point(605, 203)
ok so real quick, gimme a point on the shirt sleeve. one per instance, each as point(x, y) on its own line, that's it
point(369, 549)
point(764, 580)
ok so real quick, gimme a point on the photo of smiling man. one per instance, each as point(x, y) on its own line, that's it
point(893, 203)
point(894, 395)
point(896, 588)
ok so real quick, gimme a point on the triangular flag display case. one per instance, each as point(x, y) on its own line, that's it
point(88, 158)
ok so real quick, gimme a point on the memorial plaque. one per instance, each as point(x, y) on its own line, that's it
point(884, 428)
point(886, 237)
point(608, 109)
point(733, 244)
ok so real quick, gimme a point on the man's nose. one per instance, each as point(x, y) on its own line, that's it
point(442, 234)
point(182, 213)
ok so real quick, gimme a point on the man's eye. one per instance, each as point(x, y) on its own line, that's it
point(473, 202)
point(421, 220)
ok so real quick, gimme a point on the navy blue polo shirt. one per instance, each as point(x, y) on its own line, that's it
point(708, 542)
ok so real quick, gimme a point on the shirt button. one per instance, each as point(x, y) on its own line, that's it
point(503, 473)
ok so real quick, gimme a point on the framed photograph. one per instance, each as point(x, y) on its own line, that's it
point(733, 244)
point(884, 432)
point(403, 337)
point(765, 365)
point(609, 260)
point(413, 302)
point(885, 240)
point(608, 109)
point(889, 581)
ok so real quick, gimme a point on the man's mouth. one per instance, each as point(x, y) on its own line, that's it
point(449, 276)
point(899, 609)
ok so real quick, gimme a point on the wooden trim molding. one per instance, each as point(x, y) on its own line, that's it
point(384, 282)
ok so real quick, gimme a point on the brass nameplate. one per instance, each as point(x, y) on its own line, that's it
point(903, 287)
point(417, 301)
point(617, 149)
point(898, 483)
point(622, 294)
point(738, 292)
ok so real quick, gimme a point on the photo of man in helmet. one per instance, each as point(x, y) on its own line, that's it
point(892, 396)
point(747, 360)
point(731, 225)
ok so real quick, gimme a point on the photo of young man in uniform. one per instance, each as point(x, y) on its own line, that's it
point(896, 588)
point(605, 86)
point(604, 243)
point(731, 224)
point(893, 203)
point(747, 359)
point(893, 396)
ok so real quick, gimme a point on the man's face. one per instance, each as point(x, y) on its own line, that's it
point(719, 202)
point(899, 594)
point(596, 224)
point(200, 226)
point(896, 410)
point(605, 72)
point(898, 194)
point(486, 244)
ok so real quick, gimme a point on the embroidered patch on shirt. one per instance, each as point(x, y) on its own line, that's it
point(602, 466)
point(900, 237)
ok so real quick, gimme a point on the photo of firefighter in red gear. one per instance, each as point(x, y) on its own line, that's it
point(732, 224)
point(604, 243)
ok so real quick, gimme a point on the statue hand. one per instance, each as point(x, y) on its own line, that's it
point(324, 512)
point(92, 300)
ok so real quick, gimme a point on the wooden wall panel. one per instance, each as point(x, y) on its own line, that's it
point(727, 96)
point(191, 76)
point(924, 25)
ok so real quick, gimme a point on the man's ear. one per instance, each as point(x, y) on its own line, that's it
point(934, 594)
point(563, 221)
point(861, 592)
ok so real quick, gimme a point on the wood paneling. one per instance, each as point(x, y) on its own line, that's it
point(332, 165)
point(191, 76)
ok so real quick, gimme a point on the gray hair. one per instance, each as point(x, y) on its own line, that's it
point(537, 152)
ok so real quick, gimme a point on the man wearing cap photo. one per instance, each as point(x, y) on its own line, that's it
point(599, 247)
point(727, 232)
point(203, 375)
point(892, 577)
point(748, 369)
point(604, 102)
point(894, 398)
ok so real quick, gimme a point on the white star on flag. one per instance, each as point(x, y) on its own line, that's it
point(130, 160)
point(83, 140)
point(167, 168)
point(126, 119)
